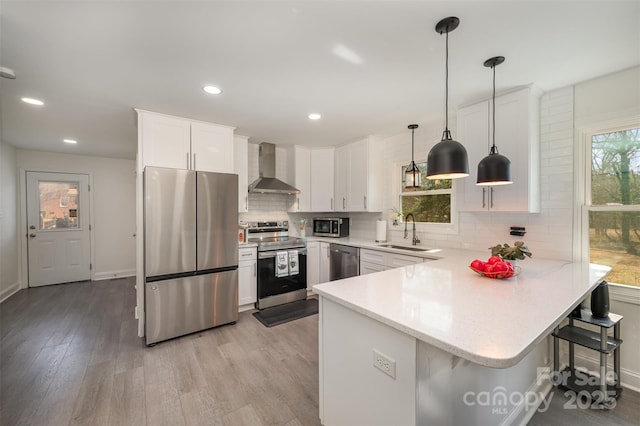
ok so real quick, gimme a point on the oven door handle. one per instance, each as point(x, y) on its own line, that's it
point(270, 254)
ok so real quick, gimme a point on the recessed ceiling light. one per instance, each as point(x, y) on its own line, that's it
point(314, 116)
point(212, 90)
point(71, 141)
point(7, 73)
point(32, 101)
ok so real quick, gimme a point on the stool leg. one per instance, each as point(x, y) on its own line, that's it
point(616, 357)
point(556, 355)
point(603, 365)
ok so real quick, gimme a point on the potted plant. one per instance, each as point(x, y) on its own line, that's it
point(519, 251)
point(396, 215)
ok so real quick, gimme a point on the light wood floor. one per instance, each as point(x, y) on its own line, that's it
point(69, 355)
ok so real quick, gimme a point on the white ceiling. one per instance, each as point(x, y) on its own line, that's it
point(92, 62)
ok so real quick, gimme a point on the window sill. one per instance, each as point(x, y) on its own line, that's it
point(624, 293)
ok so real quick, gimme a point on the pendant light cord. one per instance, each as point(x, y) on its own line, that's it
point(494, 150)
point(446, 134)
point(412, 130)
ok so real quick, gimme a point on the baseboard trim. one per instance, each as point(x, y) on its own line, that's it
point(9, 291)
point(246, 307)
point(109, 275)
point(522, 414)
point(628, 379)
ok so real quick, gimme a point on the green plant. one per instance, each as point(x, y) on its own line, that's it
point(506, 252)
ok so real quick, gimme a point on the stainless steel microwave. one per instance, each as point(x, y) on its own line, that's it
point(331, 227)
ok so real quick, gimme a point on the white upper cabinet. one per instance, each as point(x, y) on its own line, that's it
point(211, 148)
point(179, 143)
point(341, 186)
point(358, 176)
point(166, 141)
point(299, 175)
point(241, 167)
point(322, 179)
point(517, 138)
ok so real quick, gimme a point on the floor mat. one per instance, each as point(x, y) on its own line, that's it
point(288, 312)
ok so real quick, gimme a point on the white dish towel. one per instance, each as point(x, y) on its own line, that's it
point(294, 267)
point(282, 264)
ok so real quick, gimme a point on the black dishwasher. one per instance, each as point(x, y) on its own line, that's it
point(344, 262)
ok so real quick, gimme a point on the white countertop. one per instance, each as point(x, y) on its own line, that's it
point(490, 322)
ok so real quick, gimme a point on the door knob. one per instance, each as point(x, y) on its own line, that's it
point(32, 227)
point(32, 235)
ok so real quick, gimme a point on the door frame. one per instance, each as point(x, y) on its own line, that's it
point(22, 214)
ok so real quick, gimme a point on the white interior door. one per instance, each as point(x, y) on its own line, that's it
point(58, 234)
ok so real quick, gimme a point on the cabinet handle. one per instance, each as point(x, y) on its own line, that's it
point(246, 202)
point(331, 203)
point(194, 161)
point(188, 162)
point(344, 203)
point(491, 196)
point(483, 195)
point(365, 202)
point(255, 269)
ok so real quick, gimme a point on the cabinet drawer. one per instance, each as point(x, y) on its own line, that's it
point(372, 256)
point(398, 260)
point(369, 268)
point(247, 254)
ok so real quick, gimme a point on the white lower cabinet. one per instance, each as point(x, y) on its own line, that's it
point(317, 263)
point(324, 262)
point(313, 263)
point(370, 268)
point(247, 277)
point(375, 261)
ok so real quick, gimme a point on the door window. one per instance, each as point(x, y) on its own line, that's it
point(58, 205)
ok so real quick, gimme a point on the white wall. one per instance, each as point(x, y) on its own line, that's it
point(9, 265)
point(113, 214)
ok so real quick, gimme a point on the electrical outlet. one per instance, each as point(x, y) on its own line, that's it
point(384, 363)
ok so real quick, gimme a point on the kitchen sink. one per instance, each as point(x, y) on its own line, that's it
point(393, 246)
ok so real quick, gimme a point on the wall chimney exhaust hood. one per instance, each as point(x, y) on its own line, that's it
point(267, 182)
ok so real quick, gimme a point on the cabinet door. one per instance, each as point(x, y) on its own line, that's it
point(324, 262)
point(322, 179)
point(342, 164)
point(247, 282)
point(165, 140)
point(313, 264)
point(357, 191)
point(513, 141)
point(302, 177)
point(211, 148)
point(241, 167)
point(370, 268)
point(473, 133)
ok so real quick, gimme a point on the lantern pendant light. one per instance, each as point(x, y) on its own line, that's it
point(448, 158)
point(412, 176)
point(494, 169)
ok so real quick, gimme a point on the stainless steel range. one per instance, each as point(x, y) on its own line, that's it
point(282, 263)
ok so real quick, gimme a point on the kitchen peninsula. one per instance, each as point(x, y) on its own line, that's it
point(450, 346)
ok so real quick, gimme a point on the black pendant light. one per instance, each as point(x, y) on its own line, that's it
point(448, 158)
point(412, 176)
point(494, 169)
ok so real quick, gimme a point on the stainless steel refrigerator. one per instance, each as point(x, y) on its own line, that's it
point(191, 251)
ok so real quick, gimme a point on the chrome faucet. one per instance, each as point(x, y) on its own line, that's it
point(415, 239)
